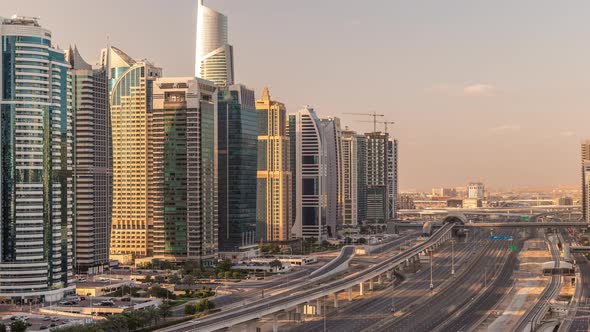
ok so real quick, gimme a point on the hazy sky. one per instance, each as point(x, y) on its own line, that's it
point(496, 91)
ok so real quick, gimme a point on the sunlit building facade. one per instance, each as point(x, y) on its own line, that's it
point(334, 186)
point(92, 164)
point(392, 177)
point(214, 56)
point(585, 153)
point(274, 188)
point(131, 108)
point(349, 178)
point(377, 154)
point(35, 165)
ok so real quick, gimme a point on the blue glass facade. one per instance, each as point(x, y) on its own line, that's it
point(237, 164)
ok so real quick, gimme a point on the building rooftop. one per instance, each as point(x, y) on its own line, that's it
point(21, 20)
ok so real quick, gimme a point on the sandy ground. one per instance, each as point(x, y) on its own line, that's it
point(528, 285)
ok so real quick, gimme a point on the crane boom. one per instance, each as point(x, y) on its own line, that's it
point(373, 114)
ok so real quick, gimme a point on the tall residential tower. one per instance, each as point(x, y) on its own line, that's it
point(36, 196)
point(273, 203)
point(585, 152)
point(92, 164)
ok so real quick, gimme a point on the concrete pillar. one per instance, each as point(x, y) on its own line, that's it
point(275, 323)
point(371, 284)
point(350, 294)
point(389, 274)
point(318, 310)
point(380, 279)
point(362, 291)
point(336, 300)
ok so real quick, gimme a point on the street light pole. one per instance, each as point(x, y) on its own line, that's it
point(453, 257)
point(431, 282)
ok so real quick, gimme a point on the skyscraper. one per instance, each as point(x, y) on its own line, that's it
point(237, 151)
point(361, 187)
point(92, 164)
point(182, 169)
point(334, 186)
point(35, 164)
point(214, 56)
point(377, 177)
point(585, 153)
point(131, 106)
point(273, 203)
point(292, 133)
point(392, 177)
point(476, 190)
point(349, 178)
point(310, 160)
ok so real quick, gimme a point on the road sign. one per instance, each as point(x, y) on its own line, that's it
point(525, 218)
point(500, 238)
point(513, 248)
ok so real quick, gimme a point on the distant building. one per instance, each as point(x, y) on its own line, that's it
point(585, 153)
point(392, 177)
point(349, 177)
point(310, 160)
point(377, 177)
point(472, 203)
point(274, 188)
point(444, 192)
point(93, 174)
point(334, 186)
point(476, 190)
point(36, 208)
point(182, 173)
point(565, 201)
point(361, 142)
point(455, 203)
point(214, 58)
point(406, 202)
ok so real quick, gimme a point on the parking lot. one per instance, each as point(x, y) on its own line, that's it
point(40, 322)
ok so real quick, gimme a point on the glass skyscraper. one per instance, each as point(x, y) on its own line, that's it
point(92, 164)
point(182, 167)
point(35, 165)
point(237, 140)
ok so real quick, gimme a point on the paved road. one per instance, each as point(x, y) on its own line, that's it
point(365, 312)
point(580, 321)
point(488, 263)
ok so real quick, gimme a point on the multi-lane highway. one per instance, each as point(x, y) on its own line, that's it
point(367, 311)
point(487, 264)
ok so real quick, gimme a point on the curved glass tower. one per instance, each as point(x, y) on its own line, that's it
point(214, 56)
point(35, 165)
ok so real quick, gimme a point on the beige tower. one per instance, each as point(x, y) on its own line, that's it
point(273, 211)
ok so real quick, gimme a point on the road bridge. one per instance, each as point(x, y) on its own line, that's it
point(296, 300)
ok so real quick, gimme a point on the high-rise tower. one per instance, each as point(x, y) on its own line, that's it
point(214, 56)
point(273, 204)
point(349, 178)
point(310, 160)
point(334, 186)
point(36, 197)
point(131, 104)
point(377, 153)
point(237, 151)
point(183, 169)
point(92, 164)
point(585, 153)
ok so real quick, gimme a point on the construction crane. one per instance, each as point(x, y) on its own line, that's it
point(385, 123)
point(373, 114)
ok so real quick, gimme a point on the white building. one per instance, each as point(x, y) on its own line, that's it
point(310, 185)
point(392, 177)
point(334, 185)
point(476, 190)
point(349, 178)
point(586, 192)
point(214, 56)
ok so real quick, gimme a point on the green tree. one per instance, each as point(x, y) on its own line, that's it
point(165, 310)
point(190, 309)
point(188, 279)
point(220, 275)
point(224, 265)
point(147, 279)
point(227, 274)
point(236, 275)
point(276, 264)
point(174, 279)
point(159, 279)
point(362, 240)
point(18, 326)
point(2, 327)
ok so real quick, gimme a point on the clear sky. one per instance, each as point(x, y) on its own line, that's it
point(495, 91)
